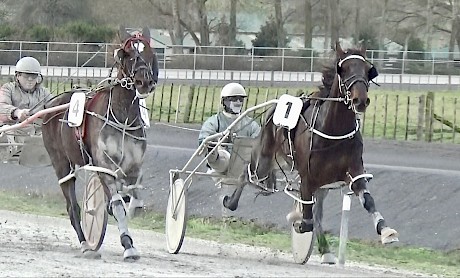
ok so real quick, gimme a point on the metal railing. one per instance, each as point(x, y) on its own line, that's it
point(228, 58)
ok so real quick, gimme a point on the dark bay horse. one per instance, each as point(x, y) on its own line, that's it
point(325, 146)
point(112, 134)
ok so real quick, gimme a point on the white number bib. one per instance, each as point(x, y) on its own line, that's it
point(76, 109)
point(287, 111)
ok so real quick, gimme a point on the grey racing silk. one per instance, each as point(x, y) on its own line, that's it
point(219, 122)
point(12, 97)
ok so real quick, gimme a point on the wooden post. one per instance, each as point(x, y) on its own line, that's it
point(429, 110)
point(421, 117)
point(189, 103)
point(396, 117)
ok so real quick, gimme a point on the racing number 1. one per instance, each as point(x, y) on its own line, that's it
point(289, 105)
point(287, 111)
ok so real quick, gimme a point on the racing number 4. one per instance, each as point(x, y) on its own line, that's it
point(77, 109)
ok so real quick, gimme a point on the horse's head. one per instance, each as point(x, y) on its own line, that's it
point(354, 73)
point(137, 62)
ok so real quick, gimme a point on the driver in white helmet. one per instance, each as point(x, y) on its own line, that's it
point(22, 97)
point(232, 98)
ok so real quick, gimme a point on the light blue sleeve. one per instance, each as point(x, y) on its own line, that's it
point(209, 127)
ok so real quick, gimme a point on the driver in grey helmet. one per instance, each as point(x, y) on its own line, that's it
point(18, 97)
point(232, 99)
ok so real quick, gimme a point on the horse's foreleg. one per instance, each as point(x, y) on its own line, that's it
point(119, 213)
point(306, 224)
point(387, 234)
point(327, 257)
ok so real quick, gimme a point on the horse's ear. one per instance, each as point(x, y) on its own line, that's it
point(146, 33)
point(118, 55)
point(339, 50)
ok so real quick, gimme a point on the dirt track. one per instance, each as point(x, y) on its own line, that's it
point(37, 246)
point(415, 187)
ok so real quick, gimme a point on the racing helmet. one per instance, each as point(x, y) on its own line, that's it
point(233, 89)
point(28, 65)
point(232, 96)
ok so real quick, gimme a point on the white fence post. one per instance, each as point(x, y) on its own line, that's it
point(346, 206)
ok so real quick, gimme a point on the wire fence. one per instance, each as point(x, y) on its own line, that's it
point(223, 58)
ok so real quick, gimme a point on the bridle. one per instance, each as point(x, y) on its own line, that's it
point(346, 84)
point(135, 44)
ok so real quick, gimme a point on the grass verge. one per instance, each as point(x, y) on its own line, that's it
point(423, 260)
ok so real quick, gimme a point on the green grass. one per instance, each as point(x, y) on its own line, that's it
point(234, 230)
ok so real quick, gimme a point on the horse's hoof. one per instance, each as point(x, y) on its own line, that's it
point(293, 216)
point(303, 226)
point(226, 203)
point(388, 235)
point(84, 247)
point(328, 258)
point(90, 254)
point(131, 254)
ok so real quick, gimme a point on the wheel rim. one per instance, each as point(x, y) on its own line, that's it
point(94, 213)
point(176, 216)
point(302, 243)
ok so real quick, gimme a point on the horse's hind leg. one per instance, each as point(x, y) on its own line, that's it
point(73, 210)
point(327, 257)
point(387, 234)
point(232, 202)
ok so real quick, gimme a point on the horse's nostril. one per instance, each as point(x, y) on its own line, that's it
point(139, 83)
point(368, 101)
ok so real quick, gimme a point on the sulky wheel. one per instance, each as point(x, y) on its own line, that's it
point(302, 243)
point(94, 212)
point(176, 218)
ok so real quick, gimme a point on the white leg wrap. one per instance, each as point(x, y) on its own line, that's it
point(119, 213)
point(377, 218)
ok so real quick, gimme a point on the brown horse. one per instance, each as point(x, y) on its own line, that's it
point(111, 137)
point(325, 146)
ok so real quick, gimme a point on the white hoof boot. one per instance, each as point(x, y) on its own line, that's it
point(131, 254)
point(293, 216)
point(388, 235)
point(328, 258)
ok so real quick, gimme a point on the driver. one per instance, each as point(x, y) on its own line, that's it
point(21, 97)
point(232, 98)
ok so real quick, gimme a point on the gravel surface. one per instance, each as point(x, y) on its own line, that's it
point(39, 246)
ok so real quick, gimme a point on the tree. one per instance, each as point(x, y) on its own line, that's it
point(177, 33)
point(334, 21)
point(268, 37)
point(51, 13)
point(203, 22)
point(308, 25)
point(455, 32)
point(232, 26)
